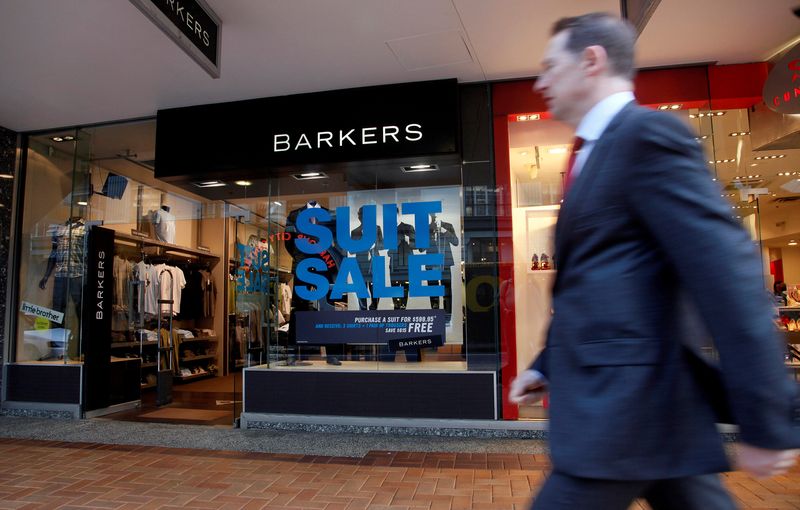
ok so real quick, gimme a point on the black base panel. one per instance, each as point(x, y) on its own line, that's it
point(54, 384)
point(460, 396)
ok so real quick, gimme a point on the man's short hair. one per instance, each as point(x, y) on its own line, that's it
point(617, 36)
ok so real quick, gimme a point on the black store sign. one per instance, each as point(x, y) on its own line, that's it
point(98, 288)
point(245, 138)
point(191, 24)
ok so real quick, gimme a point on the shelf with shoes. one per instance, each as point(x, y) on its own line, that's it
point(196, 357)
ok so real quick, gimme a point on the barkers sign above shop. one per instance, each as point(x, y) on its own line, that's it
point(248, 138)
point(191, 24)
point(782, 88)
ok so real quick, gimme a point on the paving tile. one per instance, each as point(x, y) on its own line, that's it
point(54, 474)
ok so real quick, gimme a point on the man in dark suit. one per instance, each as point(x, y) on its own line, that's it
point(642, 236)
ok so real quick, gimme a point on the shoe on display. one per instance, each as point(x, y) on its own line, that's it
point(545, 264)
point(534, 262)
point(333, 360)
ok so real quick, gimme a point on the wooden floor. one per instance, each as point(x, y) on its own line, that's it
point(59, 475)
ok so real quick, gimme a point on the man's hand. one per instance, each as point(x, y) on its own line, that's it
point(528, 388)
point(763, 463)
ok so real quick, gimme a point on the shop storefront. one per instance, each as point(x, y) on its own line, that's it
point(384, 252)
point(334, 252)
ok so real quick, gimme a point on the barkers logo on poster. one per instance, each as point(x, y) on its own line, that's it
point(315, 238)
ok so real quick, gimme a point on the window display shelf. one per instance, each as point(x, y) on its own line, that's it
point(123, 345)
point(185, 378)
point(201, 357)
point(199, 339)
point(173, 249)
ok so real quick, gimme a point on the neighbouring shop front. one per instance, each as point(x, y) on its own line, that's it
point(752, 153)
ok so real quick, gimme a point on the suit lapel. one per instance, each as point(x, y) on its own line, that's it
point(582, 186)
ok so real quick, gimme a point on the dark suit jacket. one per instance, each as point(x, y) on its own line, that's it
point(440, 242)
point(398, 259)
point(642, 228)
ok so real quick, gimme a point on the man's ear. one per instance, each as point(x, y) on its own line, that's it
point(595, 60)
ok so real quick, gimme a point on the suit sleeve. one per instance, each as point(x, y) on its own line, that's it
point(670, 191)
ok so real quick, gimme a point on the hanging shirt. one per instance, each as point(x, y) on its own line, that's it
point(170, 290)
point(148, 287)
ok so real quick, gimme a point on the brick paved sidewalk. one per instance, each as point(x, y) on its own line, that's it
point(51, 474)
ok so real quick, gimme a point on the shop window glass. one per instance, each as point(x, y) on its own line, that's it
point(53, 249)
point(167, 245)
point(367, 303)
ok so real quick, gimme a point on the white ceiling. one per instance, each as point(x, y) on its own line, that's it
point(72, 62)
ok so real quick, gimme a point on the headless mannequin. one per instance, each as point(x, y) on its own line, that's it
point(67, 259)
point(333, 352)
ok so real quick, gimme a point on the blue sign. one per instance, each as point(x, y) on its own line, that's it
point(316, 237)
point(399, 329)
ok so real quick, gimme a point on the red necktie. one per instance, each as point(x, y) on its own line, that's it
point(576, 147)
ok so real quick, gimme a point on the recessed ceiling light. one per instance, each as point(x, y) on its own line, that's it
point(739, 133)
point(57, 139)
point(6, 176)
point(244, 183)
point(419, 168)
point(307, 176)
point(773, 156)
point(525, 118)
point(83, 203)
point(209, 184)
point(792, 243)
point(69, 138)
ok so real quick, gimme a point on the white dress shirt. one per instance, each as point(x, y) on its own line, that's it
point(595, 122)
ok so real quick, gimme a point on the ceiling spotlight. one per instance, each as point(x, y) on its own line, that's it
point(6, 176)
point(57, 139)
point(83, 203)
point(419, 168)
point(739, 133)
point(792, 243)
point(244, 183)
point(773, 156)
point(209, 184)
point(525, 118)
point(68, 138)
point(307, 176)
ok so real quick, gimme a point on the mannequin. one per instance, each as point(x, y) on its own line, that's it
point(164, 223)
point(333, 352)
point(364, 259)
point(442, 238)
point(67, 258)
point(398, 271)
point(398, 260)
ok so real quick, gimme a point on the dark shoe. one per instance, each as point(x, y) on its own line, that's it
point(535, 262)
point(545, 262)
point(333, 360)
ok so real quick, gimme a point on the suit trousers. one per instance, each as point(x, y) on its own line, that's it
point(565, 492)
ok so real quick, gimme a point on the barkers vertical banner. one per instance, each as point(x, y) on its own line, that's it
point(191, 24)
point(98, 286)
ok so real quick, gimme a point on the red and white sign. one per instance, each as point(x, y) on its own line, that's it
point(782, 88)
